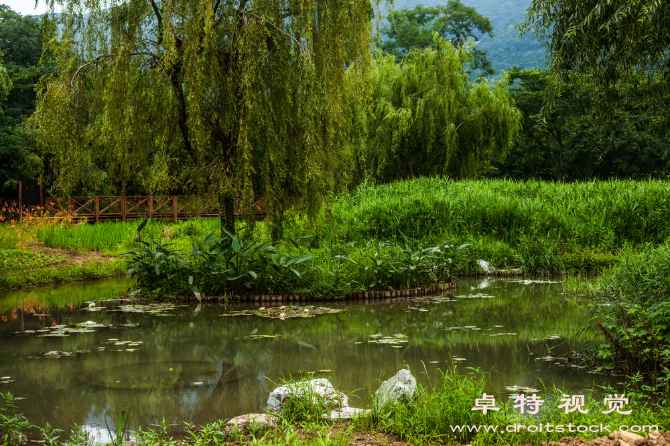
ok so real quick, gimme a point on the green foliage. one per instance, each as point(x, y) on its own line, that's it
point(565, 142)
point(506, 48)
point(21, 43)
point(106, 236)
point(395, 266)
point(631, 307)
point(240, 264)
point(440, 408)
point(5, 82)
point(119, 427)
point(12, 423)
point(415, 29)
point(426, 118)
point(434, 409)
point(49, 435)
point(248, 95)
point(605, 214)
point(303, 404)
point(611, 41)
point(19, 268)
point(19, 259)
point(209, 434)
point(229, 264)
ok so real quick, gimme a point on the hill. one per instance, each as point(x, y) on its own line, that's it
point(504, 49)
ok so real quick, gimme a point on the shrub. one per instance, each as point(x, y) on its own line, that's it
point(631, 308)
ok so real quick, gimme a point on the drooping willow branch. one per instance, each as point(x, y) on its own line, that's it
point(277, 28)
point(101, 58)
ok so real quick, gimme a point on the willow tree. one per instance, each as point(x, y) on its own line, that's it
point(612, 42)
point(425, 117)
point(226, 97)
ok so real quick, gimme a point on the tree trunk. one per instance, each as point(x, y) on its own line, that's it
point(227, 211)
point(630, 164)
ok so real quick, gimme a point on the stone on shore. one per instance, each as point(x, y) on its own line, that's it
point(400, 388)
point(258, 418)
point(319, 390)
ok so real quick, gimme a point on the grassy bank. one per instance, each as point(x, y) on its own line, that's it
point(438, 413)
point(542, 228)
point(630, 309)
point(37, 266)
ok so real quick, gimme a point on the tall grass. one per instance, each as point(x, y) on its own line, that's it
point(101, 237)
point(116, 236)
point(593, 214)
point(442, 410)
point(541, 227)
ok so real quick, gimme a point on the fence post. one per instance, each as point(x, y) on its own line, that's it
point(174, 208)
point(96, 210)
point(123, 209)
point(151, 206)
point(20, 201)
point(199, 208)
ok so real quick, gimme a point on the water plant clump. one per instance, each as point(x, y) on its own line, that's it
point(236, 264)
point(630, 307)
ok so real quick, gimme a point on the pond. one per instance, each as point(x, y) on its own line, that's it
point(188, 363)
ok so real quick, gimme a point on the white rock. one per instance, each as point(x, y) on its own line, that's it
point(486, 266)
point(399, 388)
point(320, 390)
point(259, 418)
point(346, 413)
point(629, 437)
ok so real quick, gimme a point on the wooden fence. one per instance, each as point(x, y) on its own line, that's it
point(165, 207)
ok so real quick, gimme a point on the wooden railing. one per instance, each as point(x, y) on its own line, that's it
point(164, 207)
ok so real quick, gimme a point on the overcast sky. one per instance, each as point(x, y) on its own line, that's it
point(26, 7)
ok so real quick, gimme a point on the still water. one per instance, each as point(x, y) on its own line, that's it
point(187, 363)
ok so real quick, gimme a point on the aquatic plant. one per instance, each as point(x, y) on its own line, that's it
point(12, 423)
point(120, 427)
point(230, 264)
point(630, 306)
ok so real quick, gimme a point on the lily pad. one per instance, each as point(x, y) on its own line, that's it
point(475, 296)
point(285, 312)
point(529, 282)
point(257, 336)
point(522, 389)
point(393, 341)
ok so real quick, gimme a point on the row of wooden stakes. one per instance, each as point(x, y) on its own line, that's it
point(411, 292)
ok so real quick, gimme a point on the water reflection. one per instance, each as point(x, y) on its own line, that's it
point(190, 364)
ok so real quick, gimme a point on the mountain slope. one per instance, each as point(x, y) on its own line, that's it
point(504, 49)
